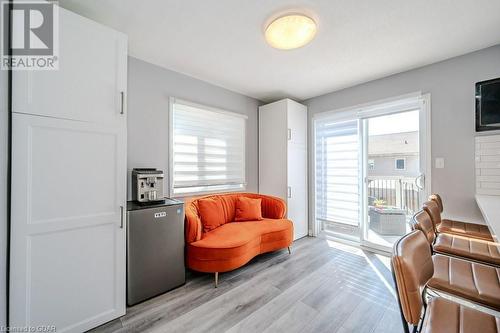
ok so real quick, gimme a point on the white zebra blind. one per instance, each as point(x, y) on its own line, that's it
point(337, 171)
point(208, 149)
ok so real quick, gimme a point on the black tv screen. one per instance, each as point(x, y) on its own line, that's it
point(488, 105)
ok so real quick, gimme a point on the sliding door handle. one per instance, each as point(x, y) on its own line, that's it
point(420, 182)
point(289, 191)
point(121, 217)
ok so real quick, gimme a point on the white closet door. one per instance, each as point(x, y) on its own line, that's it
point(90, 80)
point(69, 183)
point(67, 240)
point(273, 149)
point(297, 168)
point(297, 122)
point(297, 196)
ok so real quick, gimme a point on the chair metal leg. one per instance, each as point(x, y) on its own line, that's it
point(289, 250)
point(216, 279)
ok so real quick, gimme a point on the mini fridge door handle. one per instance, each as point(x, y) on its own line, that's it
point(121, 217)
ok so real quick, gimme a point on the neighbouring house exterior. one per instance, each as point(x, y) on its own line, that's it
point(395, 154)
point(393, 165)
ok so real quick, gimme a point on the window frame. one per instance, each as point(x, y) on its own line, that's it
point(229, 188)
point(396, 163)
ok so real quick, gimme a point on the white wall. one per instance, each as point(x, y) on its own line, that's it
point(149, 89)
point(451, 85)
point(3, 192)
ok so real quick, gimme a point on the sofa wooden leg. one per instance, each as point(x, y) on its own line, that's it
point(216, 279)
point(289, 250)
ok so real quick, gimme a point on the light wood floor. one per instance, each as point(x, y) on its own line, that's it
point(321, 287)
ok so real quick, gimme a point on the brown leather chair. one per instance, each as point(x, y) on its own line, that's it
point(471, 230)
point(469, 248)
point(476, 282)
point(412, 268)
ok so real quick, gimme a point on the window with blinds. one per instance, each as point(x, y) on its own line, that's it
point(207, 149)
point(337, 173)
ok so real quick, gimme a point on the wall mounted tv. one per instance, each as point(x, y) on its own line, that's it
point(488, 105)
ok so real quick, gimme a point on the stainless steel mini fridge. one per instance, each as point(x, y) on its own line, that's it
point(155, 249)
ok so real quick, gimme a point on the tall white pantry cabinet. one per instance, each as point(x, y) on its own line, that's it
point(67, 260)
point(283, 158)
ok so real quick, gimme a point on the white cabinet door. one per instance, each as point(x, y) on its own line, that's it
point(297, 122)
point(67, 237)
point(297, 196)
point(272, 149)
point(297, 167)
point(90, 80)
point(69, 183)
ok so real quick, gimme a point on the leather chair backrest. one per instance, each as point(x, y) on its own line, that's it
point(437, 198)
point(432, 208)
point(422, 221)
point(412, 266)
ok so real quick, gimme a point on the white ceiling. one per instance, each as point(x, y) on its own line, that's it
point(222, 42)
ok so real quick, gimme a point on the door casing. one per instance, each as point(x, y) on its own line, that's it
point(423, 105)
point(362, 112)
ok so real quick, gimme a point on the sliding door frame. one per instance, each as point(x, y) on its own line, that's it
point(420, 103)
point(362, 112)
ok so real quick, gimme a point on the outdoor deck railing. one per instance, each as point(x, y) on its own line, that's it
point(401, 192)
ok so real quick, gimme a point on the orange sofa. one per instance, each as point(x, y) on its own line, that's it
point(233, 244)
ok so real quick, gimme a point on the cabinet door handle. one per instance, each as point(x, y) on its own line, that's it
point(289, 191)
point(122, 99)
point(289, 134)
point(121, 217)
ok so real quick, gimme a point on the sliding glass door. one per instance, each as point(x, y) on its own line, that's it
point(394, 176)
point(370, 171)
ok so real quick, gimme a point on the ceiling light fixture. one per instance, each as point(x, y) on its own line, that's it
point(290, 31)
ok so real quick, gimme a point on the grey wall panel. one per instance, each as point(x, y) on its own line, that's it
point(149, 89)
point(451, 85)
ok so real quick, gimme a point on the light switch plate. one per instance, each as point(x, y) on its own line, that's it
point(439, 163)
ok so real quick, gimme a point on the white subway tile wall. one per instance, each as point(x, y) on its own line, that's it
point(488, 164)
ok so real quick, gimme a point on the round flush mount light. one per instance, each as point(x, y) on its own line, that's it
point(290, 31)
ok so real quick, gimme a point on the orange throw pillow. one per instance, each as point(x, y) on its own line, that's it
point(211, 213)
point(248, 209)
